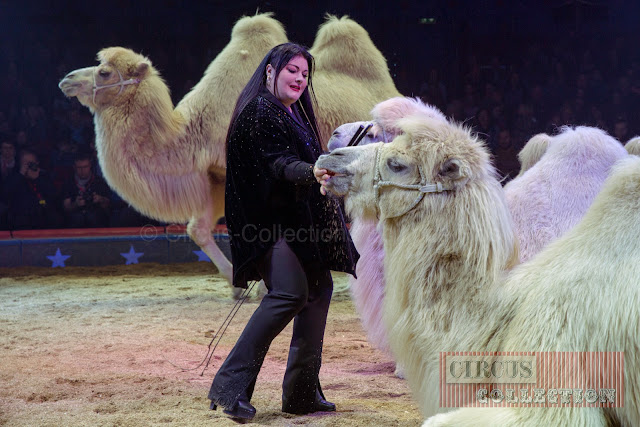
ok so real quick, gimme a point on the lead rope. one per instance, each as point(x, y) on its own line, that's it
point(218, 334)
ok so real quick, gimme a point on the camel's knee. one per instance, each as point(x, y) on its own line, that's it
point(199, 231)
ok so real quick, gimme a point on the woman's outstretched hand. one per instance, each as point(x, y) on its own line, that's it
point(322, 177)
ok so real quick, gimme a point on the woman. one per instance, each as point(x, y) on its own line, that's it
point(281, 230)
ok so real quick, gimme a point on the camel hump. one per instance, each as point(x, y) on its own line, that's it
point(633, 146)
point(259, 25)
point(339, 28)
point(344, 46)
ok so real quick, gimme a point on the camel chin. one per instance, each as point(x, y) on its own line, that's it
point(341, 178)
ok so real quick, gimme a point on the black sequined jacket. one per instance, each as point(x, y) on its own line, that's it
point(271, 193)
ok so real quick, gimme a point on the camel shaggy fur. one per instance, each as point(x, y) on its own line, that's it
point(553, 195)
point(633, 146)
point(367, 290)
point(449, 239)
point(351, 74)
point(532, 151)
point(170, 163)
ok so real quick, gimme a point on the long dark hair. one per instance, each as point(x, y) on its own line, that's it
point(278, 57)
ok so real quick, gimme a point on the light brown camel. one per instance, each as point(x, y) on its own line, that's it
point(449, 240)
point(170, 163)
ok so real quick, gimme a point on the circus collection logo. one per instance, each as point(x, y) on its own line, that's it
point(531, 379)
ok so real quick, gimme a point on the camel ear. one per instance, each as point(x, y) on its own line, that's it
point(453, 170)
point(141, 69)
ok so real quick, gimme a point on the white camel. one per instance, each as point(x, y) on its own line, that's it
point(555, 192)
point(367, 290)
point(544, 205)
point(449, 239)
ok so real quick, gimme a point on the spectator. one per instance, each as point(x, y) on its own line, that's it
point(7, 159)
point(31, 197)
point(62, 159)
point(85, 196)
point(7, 170)
point(621, 129)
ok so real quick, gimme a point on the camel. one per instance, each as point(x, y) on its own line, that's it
point(633, 146)
point(541, 211)
point(367, 290)
point(553, 195)
point(452, 283)
point(532, 151)
point(170, 163)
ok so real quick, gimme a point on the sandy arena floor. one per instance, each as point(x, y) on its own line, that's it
point(105, 346)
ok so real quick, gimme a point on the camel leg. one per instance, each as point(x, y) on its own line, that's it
point(399, 372)
point(199, 229)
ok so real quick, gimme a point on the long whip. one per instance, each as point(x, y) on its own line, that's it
point(217, 336)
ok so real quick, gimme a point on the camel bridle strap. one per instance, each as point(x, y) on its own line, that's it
point(423, 188)
point(361, 132)
point(122, 83)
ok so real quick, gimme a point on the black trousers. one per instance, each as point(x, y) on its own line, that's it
point(298, 292)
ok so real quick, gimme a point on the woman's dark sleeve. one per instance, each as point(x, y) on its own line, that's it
point(276, 151)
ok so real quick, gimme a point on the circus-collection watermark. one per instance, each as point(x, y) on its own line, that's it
point(531, 379)
point(252, 234)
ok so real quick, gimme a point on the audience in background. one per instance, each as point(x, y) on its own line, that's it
point(7, 159)
point(85, 196)
point(31, 197)
point(506, 88)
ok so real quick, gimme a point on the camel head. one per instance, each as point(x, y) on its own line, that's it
point(344, 133)
point(386, 115)
point(430, 159)
point(112, 81)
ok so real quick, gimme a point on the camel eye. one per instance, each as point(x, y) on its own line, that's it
point(104, 73)
point(395, 166)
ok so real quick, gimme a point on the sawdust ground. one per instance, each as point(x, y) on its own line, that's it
point(104, 346)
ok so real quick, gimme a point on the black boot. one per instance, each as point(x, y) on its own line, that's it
point(241, 410)
point(322, 405)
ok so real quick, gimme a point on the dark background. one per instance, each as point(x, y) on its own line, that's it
point(172, 31)
point(508, 68)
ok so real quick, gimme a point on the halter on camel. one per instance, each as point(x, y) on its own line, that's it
point(424, 187)
point(362, 132)
point(122, 83)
